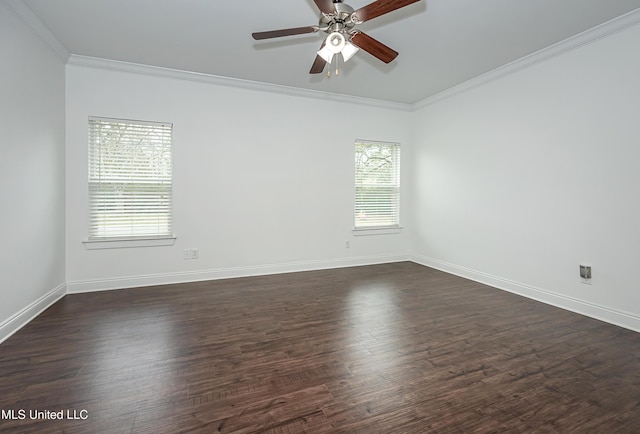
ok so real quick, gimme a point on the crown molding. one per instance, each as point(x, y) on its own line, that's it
point(30, 20)
point(592, 35)
point(24, 14)
point(156, 71)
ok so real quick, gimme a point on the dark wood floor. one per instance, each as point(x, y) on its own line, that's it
point(394, 348)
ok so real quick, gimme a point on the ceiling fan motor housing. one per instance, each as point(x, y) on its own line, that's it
point(340, 21)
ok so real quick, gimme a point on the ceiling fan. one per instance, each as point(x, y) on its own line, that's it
point(339, 21)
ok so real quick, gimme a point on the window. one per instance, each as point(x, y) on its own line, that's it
point(130, 179)
point(377, 185)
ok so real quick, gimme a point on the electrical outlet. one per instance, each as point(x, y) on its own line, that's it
point(190, 254)
point(585, 274)
point(347, 244)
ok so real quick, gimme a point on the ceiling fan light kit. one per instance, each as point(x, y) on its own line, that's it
point(335, 42)
point(338, 20)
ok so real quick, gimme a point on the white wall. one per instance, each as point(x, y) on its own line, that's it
point(263, 182)
point(31, 174)
point(520, 180)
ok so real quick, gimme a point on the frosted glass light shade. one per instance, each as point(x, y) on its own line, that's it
point(326, 54)
point(348, 51)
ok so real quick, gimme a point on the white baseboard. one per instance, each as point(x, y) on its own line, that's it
point(226, 273)
point(602, 313)
point(24, 316)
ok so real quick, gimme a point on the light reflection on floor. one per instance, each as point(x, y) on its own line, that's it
point(130, 350)
point(373, 318)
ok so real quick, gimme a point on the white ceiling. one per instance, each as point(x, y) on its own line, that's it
point(441, 43)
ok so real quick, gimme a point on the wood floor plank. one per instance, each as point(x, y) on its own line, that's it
point(391, 348)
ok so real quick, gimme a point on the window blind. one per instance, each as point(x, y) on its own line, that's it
point(130, 179)
point(377, 173)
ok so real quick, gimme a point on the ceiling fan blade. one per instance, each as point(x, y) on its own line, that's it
point(284, 32)
point(319, 63)
point(325, 6)
point(380, 7)
point(373, 47)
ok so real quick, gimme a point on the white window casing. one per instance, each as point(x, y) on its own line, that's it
point(377, 185)
point(130, 180)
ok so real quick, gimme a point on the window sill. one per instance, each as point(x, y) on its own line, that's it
point(124, 243)
point(381, 230)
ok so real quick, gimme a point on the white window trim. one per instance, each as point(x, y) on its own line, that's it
point(95, 243)
point(378, 230)
point(128, 242)
point(386, 229)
